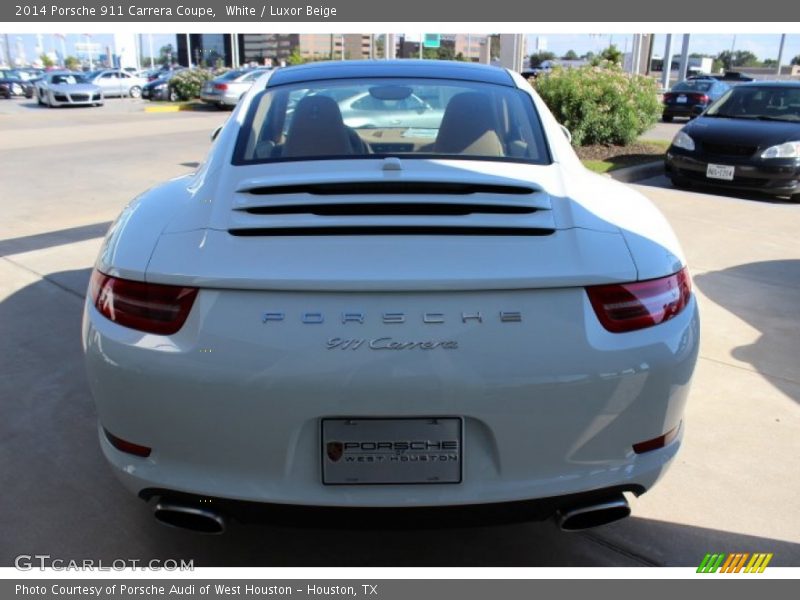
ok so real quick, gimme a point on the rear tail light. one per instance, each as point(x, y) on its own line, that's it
point(656, 443)
point(221, 86)
point(149, 307)
point(126, 446)
point(667, 97)
point(703, 99)
point(631, 306)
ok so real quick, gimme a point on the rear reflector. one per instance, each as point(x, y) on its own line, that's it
point(221, 86)
point(126, 446)
point(149, 307)
point(631, 306)
point(658, 442)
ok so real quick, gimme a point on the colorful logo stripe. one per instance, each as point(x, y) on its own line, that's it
point(735, 562)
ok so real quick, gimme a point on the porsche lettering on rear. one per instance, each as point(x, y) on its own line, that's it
point(388, 318)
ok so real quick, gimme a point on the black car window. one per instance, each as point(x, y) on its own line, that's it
point(692, 86)
point(753, 102)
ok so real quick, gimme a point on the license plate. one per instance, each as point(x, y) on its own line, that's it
point(720, 172)
point(681, 100)
point(363, 451)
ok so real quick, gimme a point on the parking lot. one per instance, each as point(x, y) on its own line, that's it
point(65, 175)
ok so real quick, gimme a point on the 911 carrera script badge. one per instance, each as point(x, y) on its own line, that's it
point(388, 343)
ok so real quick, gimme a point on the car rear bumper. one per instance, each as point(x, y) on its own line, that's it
point(239, 418)
point(682, 110)
point(349, 517)
point(224, 99)
point(777, 179)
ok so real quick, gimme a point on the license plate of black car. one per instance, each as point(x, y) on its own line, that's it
point(364, 451)
point(720, 172)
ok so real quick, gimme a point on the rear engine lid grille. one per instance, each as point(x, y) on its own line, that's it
point(427, 188)
point(390, 230)
point(391, 208)
point(394, 207)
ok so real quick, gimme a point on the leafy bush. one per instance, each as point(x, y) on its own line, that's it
point(187, 84)
point(600, 104)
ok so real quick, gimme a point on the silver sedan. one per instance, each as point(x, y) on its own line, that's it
point(224, 91)
point(115, 82)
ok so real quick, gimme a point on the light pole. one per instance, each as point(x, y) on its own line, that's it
point(780, 55)
point(667, 63)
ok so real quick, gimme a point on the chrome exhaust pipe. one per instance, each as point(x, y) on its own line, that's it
point(199, 520)
point(593, 515)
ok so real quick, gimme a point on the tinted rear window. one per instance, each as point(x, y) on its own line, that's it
point(374, 118)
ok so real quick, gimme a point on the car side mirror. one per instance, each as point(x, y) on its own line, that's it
point(215, 133)
point(566, 133)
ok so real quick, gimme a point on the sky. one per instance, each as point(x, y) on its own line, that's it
point(762, 45)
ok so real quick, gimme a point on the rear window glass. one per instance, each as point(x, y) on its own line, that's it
point(693, 86)
point(373, 118)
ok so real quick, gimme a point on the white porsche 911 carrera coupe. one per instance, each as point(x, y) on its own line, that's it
point(455, 319)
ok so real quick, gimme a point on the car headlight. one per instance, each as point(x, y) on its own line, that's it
point(785, 150)
point(682, 140)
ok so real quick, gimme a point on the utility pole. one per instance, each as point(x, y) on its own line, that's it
point(152, 58)
point(780, 55)
point(666, 67)
point(684, 68)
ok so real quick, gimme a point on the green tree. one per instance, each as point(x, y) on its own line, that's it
point(166, 55)
point(72, 63)
point(769, 62)
point(740, 58)
point(612, 54)
point(795, 60)
point(537, 59)
point(295, 58)
point(570, 55)
point(46, 60)
point(494, 46)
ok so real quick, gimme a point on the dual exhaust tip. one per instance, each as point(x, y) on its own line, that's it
point(181, 516)
point(576, 518)
point(593, 515)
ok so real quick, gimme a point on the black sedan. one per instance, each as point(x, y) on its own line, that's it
point(158, 89)
point(748, 140)
point(12, 84)
point(691, 97)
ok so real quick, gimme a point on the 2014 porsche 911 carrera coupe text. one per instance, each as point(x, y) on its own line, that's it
point(424, 303)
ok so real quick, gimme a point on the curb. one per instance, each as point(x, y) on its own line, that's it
point(169, 108)
point(638, 172)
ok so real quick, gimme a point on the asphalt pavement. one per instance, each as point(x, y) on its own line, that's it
point(65, 175)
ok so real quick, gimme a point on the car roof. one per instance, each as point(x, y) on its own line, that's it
point(786, 84)
point(426, 69)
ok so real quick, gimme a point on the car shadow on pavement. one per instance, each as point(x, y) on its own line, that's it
point(766, 295)
point(49, 239)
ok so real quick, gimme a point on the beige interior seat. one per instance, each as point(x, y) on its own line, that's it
point(317, 129)
point(469, 127)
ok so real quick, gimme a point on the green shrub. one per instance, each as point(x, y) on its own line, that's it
point(600, 104)
point(187, 84)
